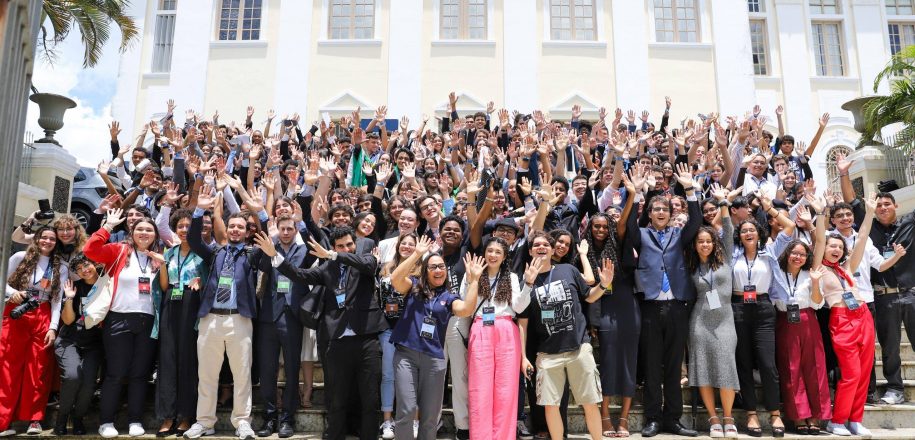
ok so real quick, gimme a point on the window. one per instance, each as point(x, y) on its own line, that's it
point(463, 20)
point(676, 21)
point(758, 42)
point(899, 7)
point(824, 7)
point(572, 20)
point(901, 35)
point(164, 37)
point(827, 43)
point(240, 20)
point(352, 19)
point(832, 172)
point(756, 5)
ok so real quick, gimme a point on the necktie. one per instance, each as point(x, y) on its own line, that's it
point(665, 282)
point(223, 295)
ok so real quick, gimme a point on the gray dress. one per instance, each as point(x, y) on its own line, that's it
point(712, 336)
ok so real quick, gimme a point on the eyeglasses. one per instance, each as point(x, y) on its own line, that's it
point(843, 215)
point(799, 254)
point(659, 209)
point(437, 267)
point(428, 207)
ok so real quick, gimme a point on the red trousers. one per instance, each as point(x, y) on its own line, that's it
point(802, 367)
point(25, 365)
point(853, 341)
point(493, 366)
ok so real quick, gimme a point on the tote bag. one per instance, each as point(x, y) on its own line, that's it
point(99, 298)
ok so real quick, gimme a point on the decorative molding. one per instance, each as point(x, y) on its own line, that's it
point(464, 43)
point(356, 43)
point(237, 44)
point(345, 103)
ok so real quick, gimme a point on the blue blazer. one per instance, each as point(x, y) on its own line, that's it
point(656, 256)
point(246, 268)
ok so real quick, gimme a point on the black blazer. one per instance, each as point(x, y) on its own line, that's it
point(362, 310)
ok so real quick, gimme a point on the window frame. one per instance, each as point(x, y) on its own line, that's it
point(697, 8)
point(328, 22)
point(832, 171)
point(463, 17)
point(764, 26)
point(901, 24)
point(840, 29)
point(240, 20)
point(159, 12)
point(760, 6)
point(595, 29)
point(839, 9)
point(895, 9)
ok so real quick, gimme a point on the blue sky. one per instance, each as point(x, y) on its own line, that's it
point(85, 131)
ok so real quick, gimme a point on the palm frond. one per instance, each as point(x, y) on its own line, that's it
point(93, 18)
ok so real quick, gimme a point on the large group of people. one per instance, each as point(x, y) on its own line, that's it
point(529, 259)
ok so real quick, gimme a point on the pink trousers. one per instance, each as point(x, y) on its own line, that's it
point(493, 369)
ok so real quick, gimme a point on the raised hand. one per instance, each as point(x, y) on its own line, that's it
point(606, 273)
point(667, 102)
point(645, 116)
point(171, 193)
point(583, 247)
point(69, 289)
point(576, 112)
point(816, 274)
point(871, 203)
point(384, 172)
point(171, 106)
point(684, 176)
point(265, 243)
point(452, 100)
point(490, 107)
point(804, 214)
point(250, 111)
point(719, 192)
point(380, 113)
point(423, 245)
point(114, 129)
point(533, 269)
point(843, 164)
point(114, 218)
point(526, 186)
point(824, 120)
point(207, 197)
point(103, 167)
point(780, 110)
point(475, 266)
point(409, 171)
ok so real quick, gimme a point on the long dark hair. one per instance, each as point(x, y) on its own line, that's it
point(783, 258)
point(715, 260)
point(422, 287)
point(610, 246)
point(571, 256)
point(761, 234)
point(503, 293)
point(19, 279)
point(154, 246)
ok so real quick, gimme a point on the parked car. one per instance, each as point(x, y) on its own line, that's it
point(88, 191)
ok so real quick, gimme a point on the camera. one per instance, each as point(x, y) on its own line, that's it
point(44, 210)
point(25, 307)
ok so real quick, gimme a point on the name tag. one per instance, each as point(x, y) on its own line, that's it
point(857, 274)
point(341, 299)
point(45, 284)
point(489, 315)
point(282, 284)
point(749, 294)
point(144, 286)
point(546, 315)
point(794, 313)
point(225, 279)
point(888, 252)
point(176, 293)
point(850, 300)
point(714, 302)
point(392, 307)
point(428, 328)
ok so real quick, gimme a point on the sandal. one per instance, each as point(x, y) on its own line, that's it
point(607, 432)
point(715, 430)
point(754, 431)
point(621, 431)
point(166, 431)
point(813, 430)
point(777, 431)
point(730, 429)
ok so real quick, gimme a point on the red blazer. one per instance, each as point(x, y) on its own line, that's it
point(99, 250)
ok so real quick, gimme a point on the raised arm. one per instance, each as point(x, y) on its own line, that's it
point(858, 252)
point(400, 278)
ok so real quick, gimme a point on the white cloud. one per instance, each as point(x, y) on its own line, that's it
point(85, 131)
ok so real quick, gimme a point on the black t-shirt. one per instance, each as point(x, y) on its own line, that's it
point(76, 332)
point(555, 317)
point(456, 269)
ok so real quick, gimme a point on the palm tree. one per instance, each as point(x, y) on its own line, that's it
point(899, 106)
point(93, 18)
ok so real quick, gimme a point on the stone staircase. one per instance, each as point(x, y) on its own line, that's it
point(887, 421)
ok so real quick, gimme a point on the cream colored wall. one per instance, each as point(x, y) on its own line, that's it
point(671, 67)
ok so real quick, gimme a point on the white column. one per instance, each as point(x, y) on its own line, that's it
point(630, 53)
point(404, 59)
point(124, 103)
point(520, 51)
point(290, 93)
point(796, 70)
point(870, 45)
point(193, 34)
point(733, 57)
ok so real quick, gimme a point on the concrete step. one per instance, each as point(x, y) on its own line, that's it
point(905, 352)
point(908, 370)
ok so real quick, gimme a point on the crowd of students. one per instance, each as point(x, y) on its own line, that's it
point(528, 256)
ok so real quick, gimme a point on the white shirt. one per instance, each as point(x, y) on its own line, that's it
point(127, 299)
point(760, 276)
point(801, 290)
point(751, 184)
point(386, 250)
point(37, 274)
point(862, 275)
point(521, 298)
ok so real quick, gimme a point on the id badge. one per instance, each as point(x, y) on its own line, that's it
point(546, 315)
point(850, 300)
point(713, 301)
point(45, 284)
point(428, 328)
point(143, 285)
point(794, 313)
point(341, 299)
point(888, 252)
point(749, 294)
point(392, 307)
point(225, 279)
point(489, 315)
point(176, 293)
point(282, 284)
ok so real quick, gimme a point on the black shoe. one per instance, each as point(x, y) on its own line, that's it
point(873, 399)
point(678, 429)
point(267, 429)
point(286, 430)
point(60, 429)
point(462, 434)
point(78, 427)
point(651, 429)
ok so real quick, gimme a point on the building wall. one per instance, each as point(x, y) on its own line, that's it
point(406, 65)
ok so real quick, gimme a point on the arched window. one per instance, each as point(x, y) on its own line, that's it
point(831, 171)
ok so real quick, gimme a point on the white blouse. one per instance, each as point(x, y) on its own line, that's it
point(37, 274)
point(521, 298)
point(760, 275)
point(127, 299)
point(798, 290)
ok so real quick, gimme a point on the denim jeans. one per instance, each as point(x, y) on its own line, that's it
point(387, 371)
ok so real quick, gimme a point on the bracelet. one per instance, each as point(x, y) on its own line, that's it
point(692, 188)
point(609, 288)
point(526, 158)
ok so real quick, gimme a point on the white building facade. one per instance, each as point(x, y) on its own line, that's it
point(314, 56)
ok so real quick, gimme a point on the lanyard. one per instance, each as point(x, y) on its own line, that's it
point(145, 265)
point(841, 280)
point(794, 286)
point(45, 273)
point(546, 286)
point(709, 279)
point(426, 301)
point(181, 266)
point(750, 266)
point(342, 283)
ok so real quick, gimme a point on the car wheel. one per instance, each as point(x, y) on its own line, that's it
point(82, 215)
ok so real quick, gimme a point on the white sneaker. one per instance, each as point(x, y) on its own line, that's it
point(197, 430)
point(244, 431)
point(857, 428)
point(136, 430)
point(387, 430)
point(415, 428)
point(8, 432)
point(837, 429)
point(107, 430)
point(34, 428)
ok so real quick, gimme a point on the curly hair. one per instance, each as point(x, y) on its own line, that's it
point(19, 279)
point(503, 293)
point(715, 260)
point(609, 249)
point(763, 237)
point(783, 258)
point(68, 220)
